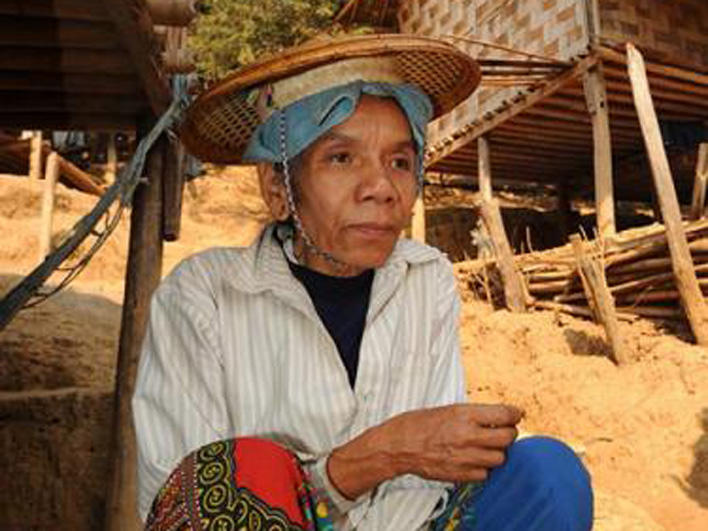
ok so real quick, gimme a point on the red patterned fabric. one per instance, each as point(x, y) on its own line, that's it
point(239, 484)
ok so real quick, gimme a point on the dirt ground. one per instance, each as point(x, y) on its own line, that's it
point(641, 429)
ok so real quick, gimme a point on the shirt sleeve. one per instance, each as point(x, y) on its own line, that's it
point(179, 403)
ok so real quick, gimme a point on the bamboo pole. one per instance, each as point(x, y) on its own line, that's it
point(597, 103)
point(111, 160)
point(595, 286)
point(514, 289)
point(142, 277)
point(485, 168)
point(418, 220)
point(686, 281)
point(698, 200)
point(35, 157)
point(50, 181)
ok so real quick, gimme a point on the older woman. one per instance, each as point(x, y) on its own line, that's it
point(313, 380)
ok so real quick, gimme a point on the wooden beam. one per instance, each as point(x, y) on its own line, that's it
point(686, 281)
point(485, 168)
point(134, 27)
point(514, 109)
point(49, 102)
point(51, 176)
point(101, 84)
point(142, 277)
point(79, 179)
point(698, 201)
point(599, 298)
point(65, 121)
point(62, 9)
point(514, 288)
point(598, 106)
point(66, 61)
point(658, 69)
point(55, 33)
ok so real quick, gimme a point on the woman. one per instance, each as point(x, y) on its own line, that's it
point(313, 380)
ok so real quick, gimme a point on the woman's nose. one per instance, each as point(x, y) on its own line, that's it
point(376, 184)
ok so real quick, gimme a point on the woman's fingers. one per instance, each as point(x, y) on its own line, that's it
point(496, 415)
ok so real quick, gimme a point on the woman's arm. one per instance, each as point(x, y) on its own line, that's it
point(450, 443)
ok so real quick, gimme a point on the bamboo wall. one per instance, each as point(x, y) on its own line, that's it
point(556, 28)
point(668, 31)
point(672, 32)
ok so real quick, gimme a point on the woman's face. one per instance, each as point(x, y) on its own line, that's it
point(356, 188)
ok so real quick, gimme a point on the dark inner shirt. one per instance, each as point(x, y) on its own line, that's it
point(341, 303)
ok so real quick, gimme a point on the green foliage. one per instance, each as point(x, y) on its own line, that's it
point(233, 33)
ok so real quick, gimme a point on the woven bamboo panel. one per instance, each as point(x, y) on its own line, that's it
point(673, 32)
point(555, 28)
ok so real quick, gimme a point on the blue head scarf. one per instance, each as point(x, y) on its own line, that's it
point(309, 118)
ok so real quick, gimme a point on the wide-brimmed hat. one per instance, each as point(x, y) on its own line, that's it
point(219, 124)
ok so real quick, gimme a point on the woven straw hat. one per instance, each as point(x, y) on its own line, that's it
point(219, 124)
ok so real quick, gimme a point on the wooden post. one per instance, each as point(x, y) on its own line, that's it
point(172, 190)
point(418, 221)
point(686, 281)
point(50, 181)
point(485, 168)
point(699, 185)
point(111, 160)
point(596, 98)
point(514, 288)
point(599, 298)
point(35, 159)
point(142, 277)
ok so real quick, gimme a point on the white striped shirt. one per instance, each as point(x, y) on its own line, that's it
point(235, 348)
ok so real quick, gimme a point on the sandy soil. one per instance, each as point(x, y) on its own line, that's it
point(641, 429)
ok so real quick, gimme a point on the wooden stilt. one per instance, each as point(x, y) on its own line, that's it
point(142, 277)
point(173, 186)
point(596, 98)
point(111, 160)
point(418, 221)
point(35, 160)
point(50, 181)
point(686, 281)
point(485, 168)
point(699, 185)
point(599, 297)
point(514, 288)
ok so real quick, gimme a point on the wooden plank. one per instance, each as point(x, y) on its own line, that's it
point(69, 61)
point(698, 200)
point(51, 176)
point(49, 102)
point(134, 27)
point(658, 69)
point(514, 288)
point(528, 101)
point(485, 168)
point(686, 281)
point(78, 178)
point(34, 32)
point(142, 277)
point(596, 99)
point(64, 9)
point(101, 84)
point(600, 298)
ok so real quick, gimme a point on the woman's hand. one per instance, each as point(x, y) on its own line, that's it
point(452, 443)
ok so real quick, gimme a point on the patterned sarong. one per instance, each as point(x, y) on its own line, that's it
point(239, 484)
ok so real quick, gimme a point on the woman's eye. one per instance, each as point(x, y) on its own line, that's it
point(401, 163)
point(340, 158)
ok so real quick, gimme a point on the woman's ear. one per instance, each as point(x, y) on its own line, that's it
point(273, 191)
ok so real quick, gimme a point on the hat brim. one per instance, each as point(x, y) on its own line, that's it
point(219, 124)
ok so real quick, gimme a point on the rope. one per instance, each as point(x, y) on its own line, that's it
point(27, 293)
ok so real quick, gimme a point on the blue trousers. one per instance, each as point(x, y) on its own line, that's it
point(542, 486)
